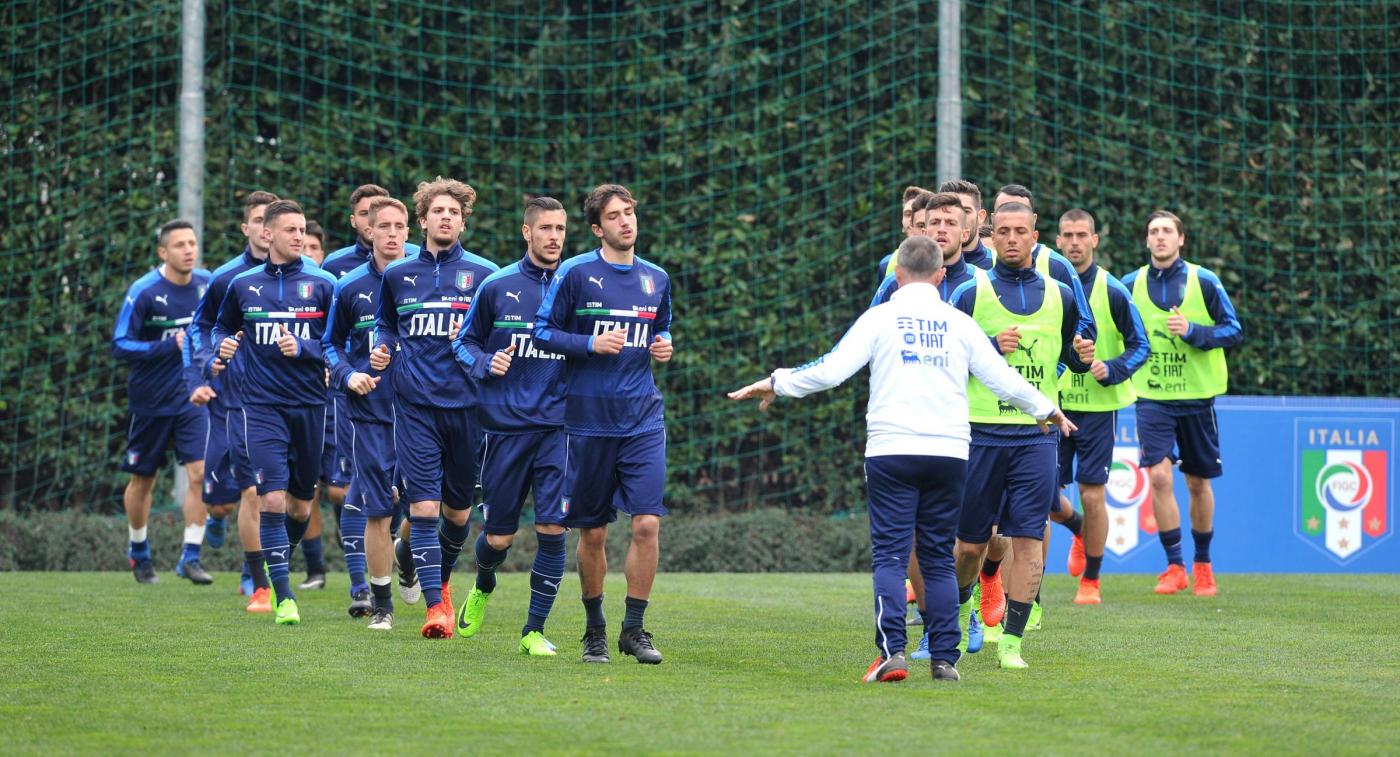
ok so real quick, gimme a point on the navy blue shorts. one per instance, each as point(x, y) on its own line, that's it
point(604, 474)
point(515, 464)
point(437, 453)
point(1192, 439)
point(1020, 482)
point(372, 468)
point(220, 486)
point(335, 458)
point(148, 437)
point(238, 449)
point(284, 445)
point(1092, 444)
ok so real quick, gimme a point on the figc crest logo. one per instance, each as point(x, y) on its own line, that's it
point(1129, 499)
point(1343, 493)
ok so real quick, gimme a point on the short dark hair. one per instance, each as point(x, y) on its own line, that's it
point(1078, 214)
point(1015, 190)
point(314, 229)
point(171, 227)
point(920, 201)
point(279, 208)
point(366, 190)
point(937, 200)
point(963, 187)
point(919, 256)
point(1014, 207)
point(599, 198)
point(538, 205)
point(254, 199)
point(910, 192)
point(1164, 214)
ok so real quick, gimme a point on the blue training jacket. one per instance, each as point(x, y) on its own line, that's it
point(423, 297)
point(347, 342)
point(531, 395)
point(154, 312)
point(608, 395)
point(260, 302)
point(200, 350)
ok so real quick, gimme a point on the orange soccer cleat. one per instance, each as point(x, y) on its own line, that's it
point(909, 597)
point(261, 601)
point(993, 604)
point(447, 600)
point(887, 671)
point(1075, 563)
point(1172, 580)
point(1204, 577)
point(439, 625)
point(1088, 593)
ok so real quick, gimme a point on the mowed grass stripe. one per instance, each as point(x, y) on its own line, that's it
point(766, 663)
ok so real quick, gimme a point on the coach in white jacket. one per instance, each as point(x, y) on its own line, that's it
point(920, 351)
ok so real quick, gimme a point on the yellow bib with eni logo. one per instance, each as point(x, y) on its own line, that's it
point(1176, 370)
point(1036, 357)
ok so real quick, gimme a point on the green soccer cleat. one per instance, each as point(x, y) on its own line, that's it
point(1009, 653)
point(964, 618)
point(287, 614)
point(1033, 620)
point(473, 612)
point(991, 634)
point(535, 644)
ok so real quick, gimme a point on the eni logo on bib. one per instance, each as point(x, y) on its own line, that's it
point(1342, 492)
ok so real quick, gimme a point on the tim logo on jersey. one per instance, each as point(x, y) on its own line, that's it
point(1128, 494)
point(1342, 495)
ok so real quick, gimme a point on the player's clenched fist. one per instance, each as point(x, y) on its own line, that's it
point(1008, 340)
point(500, 362)
point(362, 383)
point(1177, 323)
point(1085, 348)
point(1099, 370)
point(661, 349)
point(202, 395)
point(610, 342)
point(229, 346)
point(379, 357)
point(287, 343)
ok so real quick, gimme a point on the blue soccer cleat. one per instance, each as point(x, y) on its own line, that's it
point(922, 652)
point(245, 582)
point(974, 634)
point(214, 531)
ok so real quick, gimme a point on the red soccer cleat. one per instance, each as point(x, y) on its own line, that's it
point(1075, 564)
point(887, 671)
point(261, 601)
point(1204, 577)
point(1172, 580)
point(993, 605)
point(439, 625)
point(1088, 593)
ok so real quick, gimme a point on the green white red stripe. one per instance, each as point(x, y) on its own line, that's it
point(168, 323)
point(284, 314)
point(617, 313)
point(433, 306)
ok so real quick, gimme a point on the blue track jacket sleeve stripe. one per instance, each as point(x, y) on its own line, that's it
point(335, 339)
point(1227, 331)
point(469, 344)
point(663, 315)
point(556, 314)
point(126, 342)
point(386, 324)
point(1136, 347)
point(1071, 325)
point(1063, 271)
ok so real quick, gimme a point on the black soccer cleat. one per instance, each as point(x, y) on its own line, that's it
point(638, 644)
point(409, 587)
point(144, 572)
point(194, 571)
point(944, 671)
point(360, 604)
point(313, 581)
point(595, 645)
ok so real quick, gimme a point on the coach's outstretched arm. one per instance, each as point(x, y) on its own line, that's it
point(851, 354)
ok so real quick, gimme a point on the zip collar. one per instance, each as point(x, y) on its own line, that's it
point(450, 255)
point(283, 269)
point(533, 271)
point(1018, 275)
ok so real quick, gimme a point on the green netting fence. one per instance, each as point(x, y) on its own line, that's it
point(768, 143)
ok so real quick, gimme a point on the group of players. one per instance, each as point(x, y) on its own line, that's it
point(400, 377)
point(1088, 344)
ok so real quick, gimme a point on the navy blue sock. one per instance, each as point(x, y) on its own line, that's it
point(636, 608)
point(452, 537)
point(923, 616)
point(964, 593)
point(1092, 565)
point(593, 611)
point(426, 553)
point(488, 558)
point(296, 529)
point(1075, 524)
point(989, 567)
point(383, 596)
point(545, 576)
point(256, 567)
point(1171, 542)
point(1202, 540)
point(313, 549)
point(140, 551)
point(352, 541)
point(276, 549)
point(1016, 615)
point(191, 551)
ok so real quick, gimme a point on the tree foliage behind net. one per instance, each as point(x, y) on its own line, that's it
point(768, 143)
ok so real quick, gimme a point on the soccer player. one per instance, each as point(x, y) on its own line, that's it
point(974, 252)
point(347, 259)
point(609, 312)
point(1190, 322)
point(150, 336)
point(369, 505)
point(315, 248)
point(228, 479)
point(906, 223)
point(920, 352)
point(435, 428)
point(520, 401)
point(1032, 319)
point(279, 308)
point(1092, 400)
point(940, 216)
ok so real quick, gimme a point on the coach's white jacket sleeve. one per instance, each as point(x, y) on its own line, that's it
point(994, 373)
point(850, 355)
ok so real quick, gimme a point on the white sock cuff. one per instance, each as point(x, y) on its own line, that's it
point(379, 580)
point(194, 534)
point(138, 535)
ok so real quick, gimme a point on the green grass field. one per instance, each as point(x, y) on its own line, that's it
point(754, 663)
